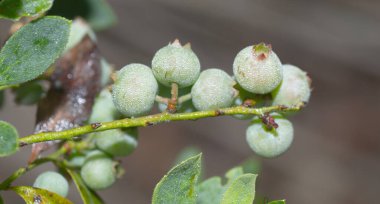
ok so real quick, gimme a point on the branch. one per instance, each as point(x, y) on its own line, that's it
point(21, 171)
point(152, 120)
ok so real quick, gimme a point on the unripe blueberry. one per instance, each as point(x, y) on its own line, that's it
point(213, 90)
point(134, 90)
point(76, 160)
point(175, 63)
point(53, 182)
point(270, 143)
point(104, 109)
point(99, 172)
point(294, 89)
point(95, 154)
point(258, 69)
point(117, 142)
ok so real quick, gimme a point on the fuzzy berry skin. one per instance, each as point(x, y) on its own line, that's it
point(270, 143)
point(213, 90)
point(53, 182)
point(98, 172)
point(176, 64)
point(104, 109)
point(134, 90)
point(117, 142)
point(257, 69)
point(294, 89)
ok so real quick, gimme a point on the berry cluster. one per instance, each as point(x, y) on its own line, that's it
point(176, 83)
point(260, 79)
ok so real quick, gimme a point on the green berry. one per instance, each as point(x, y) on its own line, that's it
point(176, 64)
point(53, 182)
point(76, 160)
point(99, 172)
point(213, 90)
point(258, 69)
point(135, 90)
point(95, 154)
point(104, 109)
point(294, 89)
point(270, 143)
point(117, 142)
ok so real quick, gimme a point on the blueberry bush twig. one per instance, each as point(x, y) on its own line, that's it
point(152, 120)
point(94, 121)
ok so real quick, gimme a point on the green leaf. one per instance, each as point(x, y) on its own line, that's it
point(14, 9)
point(210, 191)
point(186, 153)
point(178, 186)
point(98, 13)
point(241, 190)
point(32, 49)
point(88, 196)
point(33, 195)
point(29, 93)
point(8, 139)
point(277, 202)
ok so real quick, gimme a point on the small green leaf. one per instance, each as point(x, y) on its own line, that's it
point(36, 195)
point(241, 190)
point(277, 202)
point(210, 191)
point(186, 153)
point(8, 139)
point(14, 9)
point(98, 13)
point(32, 49)
point(178, 186)
point(29, 93)
point(88, 196)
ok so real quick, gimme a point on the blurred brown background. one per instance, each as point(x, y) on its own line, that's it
point(335, 157)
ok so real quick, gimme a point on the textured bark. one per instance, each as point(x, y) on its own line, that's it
point(74, 85)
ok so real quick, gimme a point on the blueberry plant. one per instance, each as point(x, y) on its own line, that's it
point(91, 113)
